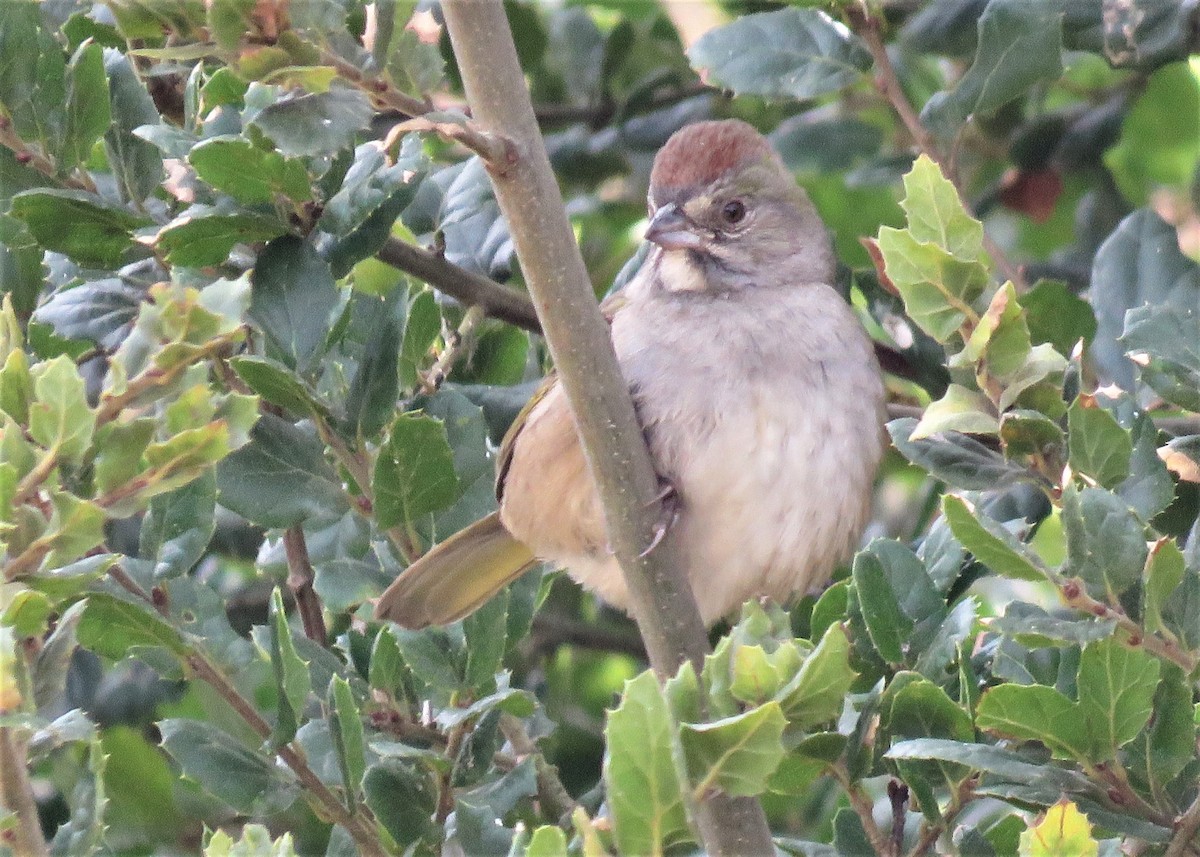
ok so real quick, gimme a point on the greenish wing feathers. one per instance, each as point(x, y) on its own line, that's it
point(456, 577)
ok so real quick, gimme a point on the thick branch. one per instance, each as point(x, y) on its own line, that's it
point(578, 338)
point(16, 795)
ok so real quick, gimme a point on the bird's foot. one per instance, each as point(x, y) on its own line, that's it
point(667, 499)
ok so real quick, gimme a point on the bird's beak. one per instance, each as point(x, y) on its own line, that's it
point(671, 229)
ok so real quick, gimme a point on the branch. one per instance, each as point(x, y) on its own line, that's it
point(326, 802)
point(16, 794)
point(1187, 827)
point(465, 286)
point(556, 800)
point(1073, 595)
point(300, 582)
point(550, 631)
point(578, 337)
point(864, 808)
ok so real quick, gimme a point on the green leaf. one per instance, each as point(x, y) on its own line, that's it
point(402, 799)
point(937, 287)
point(936, 214)
point(136, 163)
point(432, 656)
point(1164, 572)
point(200, 237)
point(1099, 447)
point(414, 66)
point(1005, 765)
point(371, 400)
point(255, 841)
point(486, 634)
point(547, 841)
point(1058, 317)
point(387, 666)
point(113, 628)
point(887, 625)
point(1140, 265)
point(292, 298)
point(59, 418)
point(1106, 544)
point(277, 384)
point(420, 331)
point(291, 674)
point(1162, 340)
point(1116, 693)
point(250, 174)
point(88, 110)
point(921, 709)
point(84, 832)
point(640, 779)
point(818, 691)
point(1025, 432)
point(1063, 830)
point(316, 124)
point(27, 613)
point(345, 723)
point(792, 53)
point(91, 231)
point(178, 526)
point(737, 754)
point(226, 769)
point(1160, 136)
point(1168, 743)
point(414, 473)
point(961, 410)
point(33, 75)
point(76, 526)
point(1019, 45)
point(280, 477)
point(1149, 488)
point(368, 184)
point(1035, 713)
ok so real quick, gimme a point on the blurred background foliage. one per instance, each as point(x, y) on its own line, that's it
point(217, 224)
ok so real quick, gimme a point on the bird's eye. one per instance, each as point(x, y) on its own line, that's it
point(733, 212)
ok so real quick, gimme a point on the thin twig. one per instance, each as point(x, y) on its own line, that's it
point(551, 631)
point(1073, 595)
point(493, 148)
point(465, 286)
point(327, 803)
point(556, 801)
point(456, 343)
point(38, 162)
point(16, 794)
point(1187, 829)
point(863, 807)
point(300, 582)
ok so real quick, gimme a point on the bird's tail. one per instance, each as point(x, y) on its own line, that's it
point(456, 577)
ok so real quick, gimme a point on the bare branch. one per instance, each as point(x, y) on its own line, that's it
point(16, 794)
point(578, 338)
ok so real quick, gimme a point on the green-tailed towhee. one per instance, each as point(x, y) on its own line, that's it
point(757, 388)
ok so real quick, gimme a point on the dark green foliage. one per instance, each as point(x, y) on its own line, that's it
point(225, 427)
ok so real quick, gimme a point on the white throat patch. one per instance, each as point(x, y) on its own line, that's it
point(678, 273)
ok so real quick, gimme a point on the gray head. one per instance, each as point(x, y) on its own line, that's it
point(728, 214)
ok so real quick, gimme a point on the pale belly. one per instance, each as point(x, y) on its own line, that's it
point(771, 499)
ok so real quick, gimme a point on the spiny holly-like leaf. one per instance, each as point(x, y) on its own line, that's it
point(202, 236)
point(1106, 544)
point(414, 474)
point(990, 542)
point(792, 53)
point(59, 417)
point(1020, 44)
point(1062, 830)
point(91, 231)
point(291, 674)
point(226, 769)
point(1099, 447)
point(292, 298)
point(1035, 713)
point(643, 787)
point(1116, 693)
point(737, 754)
point(818, 691)
point(113, 628)
point(345, 724)
point(936, 214)
point(247, 173)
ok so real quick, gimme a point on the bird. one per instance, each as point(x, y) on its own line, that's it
point(756, 386)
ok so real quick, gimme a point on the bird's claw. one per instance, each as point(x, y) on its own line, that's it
point(668, 505)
